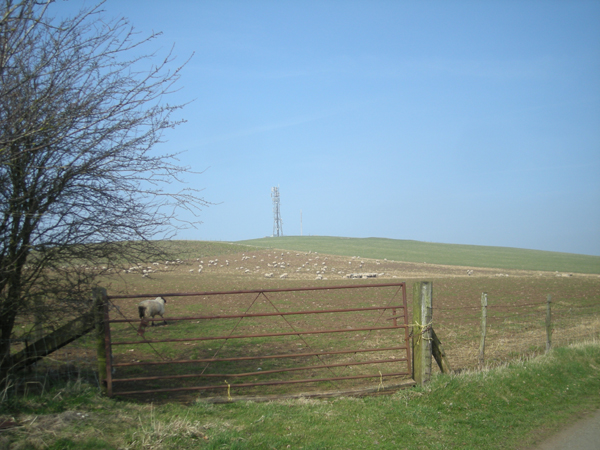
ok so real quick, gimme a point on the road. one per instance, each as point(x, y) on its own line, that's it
point(582, 435)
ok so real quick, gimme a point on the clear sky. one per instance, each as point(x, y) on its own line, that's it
point(473, 122)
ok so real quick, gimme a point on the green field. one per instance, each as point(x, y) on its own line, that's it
point(433, 253)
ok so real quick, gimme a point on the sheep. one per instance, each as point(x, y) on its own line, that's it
point(151, 308)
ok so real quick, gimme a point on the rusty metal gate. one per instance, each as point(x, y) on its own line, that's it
point(310, 341)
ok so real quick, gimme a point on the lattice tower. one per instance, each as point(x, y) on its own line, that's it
point(277, 222)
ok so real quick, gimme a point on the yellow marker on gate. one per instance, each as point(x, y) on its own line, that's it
point(228, 391)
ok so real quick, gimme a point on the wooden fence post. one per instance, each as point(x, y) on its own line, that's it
point(422, 331)
point(99, 296)
point(548, 323)
point(484, 303)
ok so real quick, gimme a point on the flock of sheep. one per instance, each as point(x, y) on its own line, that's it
point(271, 264)
point(313, 264)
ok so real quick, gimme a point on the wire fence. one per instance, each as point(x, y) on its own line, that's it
point(513, 330)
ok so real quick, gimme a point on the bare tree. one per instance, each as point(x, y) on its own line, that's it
point(81, 107)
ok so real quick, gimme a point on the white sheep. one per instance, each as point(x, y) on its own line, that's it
point(151, 308)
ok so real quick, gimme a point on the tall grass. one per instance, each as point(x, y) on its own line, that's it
point(447, 254)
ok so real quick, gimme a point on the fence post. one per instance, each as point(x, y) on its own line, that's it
point(484, 303)
point(99, 297)
point(421, 331)
point(548, 323)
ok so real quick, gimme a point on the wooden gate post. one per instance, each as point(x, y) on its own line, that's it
point(99, 296)
point(548, 323)
point(484, 304)
point(422, 331)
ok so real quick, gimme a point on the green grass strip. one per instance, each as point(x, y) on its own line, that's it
point(447, 254)
point(506, 408)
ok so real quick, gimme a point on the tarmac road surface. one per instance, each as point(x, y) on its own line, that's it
point(582, 435)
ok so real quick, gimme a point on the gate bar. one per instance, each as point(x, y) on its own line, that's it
point(406, 332)
point(265, 383)
point(245, 336)
point(289, 313)
point(249, 358)
point(262, 372)
point(257, 291)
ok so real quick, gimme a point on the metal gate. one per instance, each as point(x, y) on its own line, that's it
point(312, 341)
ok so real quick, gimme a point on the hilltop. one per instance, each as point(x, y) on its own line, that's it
point(435, 253)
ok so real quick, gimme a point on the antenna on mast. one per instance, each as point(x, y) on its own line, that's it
point(277, 222)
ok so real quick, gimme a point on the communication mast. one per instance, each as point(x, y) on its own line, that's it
point(277, 222)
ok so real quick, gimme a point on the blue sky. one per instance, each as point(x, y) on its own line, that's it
point(443, 121)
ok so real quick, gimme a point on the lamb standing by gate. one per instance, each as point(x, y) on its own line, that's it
point(150, 308)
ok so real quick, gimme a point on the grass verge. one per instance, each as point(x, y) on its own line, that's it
point(505, 408)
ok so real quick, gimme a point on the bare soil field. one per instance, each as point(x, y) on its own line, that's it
point(313, 266)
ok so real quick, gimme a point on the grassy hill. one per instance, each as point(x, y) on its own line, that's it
point(450, 254)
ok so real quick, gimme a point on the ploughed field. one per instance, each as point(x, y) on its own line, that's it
point(516, 321)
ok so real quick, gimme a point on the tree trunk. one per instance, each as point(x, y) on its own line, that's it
point(7, 323)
